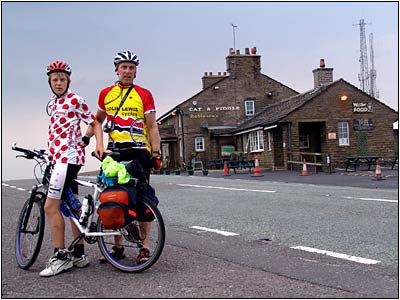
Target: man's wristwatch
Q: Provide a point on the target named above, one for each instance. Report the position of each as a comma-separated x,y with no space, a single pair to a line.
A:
157,152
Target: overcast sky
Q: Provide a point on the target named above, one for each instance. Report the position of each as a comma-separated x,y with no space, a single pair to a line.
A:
176,43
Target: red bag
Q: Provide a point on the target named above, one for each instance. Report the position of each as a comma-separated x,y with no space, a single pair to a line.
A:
117,208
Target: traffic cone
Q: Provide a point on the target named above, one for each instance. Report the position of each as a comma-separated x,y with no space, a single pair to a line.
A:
378,172
304,172
226,171
257,169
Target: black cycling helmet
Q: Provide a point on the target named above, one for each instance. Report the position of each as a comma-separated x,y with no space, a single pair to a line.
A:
126,56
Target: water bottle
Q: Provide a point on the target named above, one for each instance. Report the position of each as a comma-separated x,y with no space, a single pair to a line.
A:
84,211
73,201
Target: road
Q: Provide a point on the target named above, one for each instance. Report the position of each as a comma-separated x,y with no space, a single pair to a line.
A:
240,238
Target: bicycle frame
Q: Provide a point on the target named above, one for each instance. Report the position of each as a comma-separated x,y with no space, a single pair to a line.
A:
85,230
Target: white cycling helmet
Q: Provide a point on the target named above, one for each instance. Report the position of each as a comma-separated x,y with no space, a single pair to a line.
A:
126,56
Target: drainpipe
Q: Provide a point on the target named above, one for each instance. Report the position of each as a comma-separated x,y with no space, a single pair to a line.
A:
290,157
183,137
290,137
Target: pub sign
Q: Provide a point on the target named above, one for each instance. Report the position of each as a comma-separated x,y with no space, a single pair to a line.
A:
362,107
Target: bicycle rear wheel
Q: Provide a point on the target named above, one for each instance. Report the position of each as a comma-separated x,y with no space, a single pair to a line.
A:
29,237
132,240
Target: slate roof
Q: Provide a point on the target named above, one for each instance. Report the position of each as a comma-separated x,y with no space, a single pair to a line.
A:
277,111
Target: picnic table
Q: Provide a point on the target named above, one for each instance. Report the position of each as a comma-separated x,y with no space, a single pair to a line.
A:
361,160
218,163
232,164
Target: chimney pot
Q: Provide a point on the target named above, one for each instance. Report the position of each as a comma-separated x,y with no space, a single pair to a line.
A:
322,63
238,52
246,51
205,73
210,73
254,50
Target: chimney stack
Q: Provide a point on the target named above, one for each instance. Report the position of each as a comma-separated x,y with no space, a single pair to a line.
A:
246,64
322,75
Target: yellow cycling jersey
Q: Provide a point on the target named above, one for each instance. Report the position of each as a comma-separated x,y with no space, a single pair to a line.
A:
128,128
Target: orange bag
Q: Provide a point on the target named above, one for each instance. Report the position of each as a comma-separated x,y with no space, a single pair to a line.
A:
117,208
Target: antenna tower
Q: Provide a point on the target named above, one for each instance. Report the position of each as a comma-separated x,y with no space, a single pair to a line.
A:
363,76
373,91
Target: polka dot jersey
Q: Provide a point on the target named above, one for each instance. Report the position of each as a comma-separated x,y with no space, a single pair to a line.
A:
65,135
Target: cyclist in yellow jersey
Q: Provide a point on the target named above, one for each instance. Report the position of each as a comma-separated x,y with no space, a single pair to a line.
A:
129,116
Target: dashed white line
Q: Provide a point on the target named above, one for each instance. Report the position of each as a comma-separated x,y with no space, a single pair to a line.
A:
371,199
224,188
338,255
225,233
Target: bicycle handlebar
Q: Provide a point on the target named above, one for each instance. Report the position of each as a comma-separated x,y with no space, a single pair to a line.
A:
29,154
114,155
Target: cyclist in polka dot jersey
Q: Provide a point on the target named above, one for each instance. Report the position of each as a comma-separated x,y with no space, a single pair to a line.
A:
65,131
67,154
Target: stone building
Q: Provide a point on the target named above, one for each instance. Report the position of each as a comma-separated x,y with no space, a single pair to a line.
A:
243,110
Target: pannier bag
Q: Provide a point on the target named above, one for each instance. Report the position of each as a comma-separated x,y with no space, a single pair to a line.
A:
144,214
117,206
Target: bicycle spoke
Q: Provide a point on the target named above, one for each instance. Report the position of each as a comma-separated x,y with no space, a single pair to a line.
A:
133,239
29,239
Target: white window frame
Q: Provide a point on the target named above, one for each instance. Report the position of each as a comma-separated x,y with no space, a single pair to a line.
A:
269,140
253,141
247,109
199,144
246,141
343,133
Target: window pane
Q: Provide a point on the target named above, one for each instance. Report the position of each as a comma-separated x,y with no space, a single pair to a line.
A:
249,107
343,133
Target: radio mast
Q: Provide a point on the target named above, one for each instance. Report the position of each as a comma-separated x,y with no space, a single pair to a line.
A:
373,91
363,76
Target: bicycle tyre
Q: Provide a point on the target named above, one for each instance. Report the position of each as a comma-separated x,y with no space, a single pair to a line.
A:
29,242
128,263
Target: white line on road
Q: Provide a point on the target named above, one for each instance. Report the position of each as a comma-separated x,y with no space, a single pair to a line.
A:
338,255
225,233
225,188
371,199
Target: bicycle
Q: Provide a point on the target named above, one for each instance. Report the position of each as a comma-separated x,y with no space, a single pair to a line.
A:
31,222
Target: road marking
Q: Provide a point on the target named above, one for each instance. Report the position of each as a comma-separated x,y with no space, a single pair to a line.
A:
371,199
225,233
225,188
338,255
5,184
21,189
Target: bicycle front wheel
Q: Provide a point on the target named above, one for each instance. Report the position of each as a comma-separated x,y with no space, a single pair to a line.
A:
30,232
132,238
